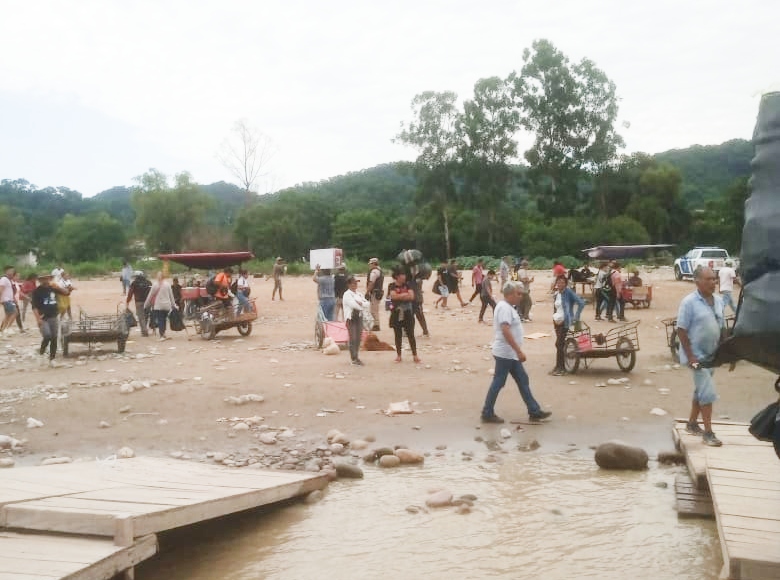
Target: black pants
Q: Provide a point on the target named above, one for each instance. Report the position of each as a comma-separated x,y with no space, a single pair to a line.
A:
477,291
420,315
560,344
486,300
405,325
354,329
600,298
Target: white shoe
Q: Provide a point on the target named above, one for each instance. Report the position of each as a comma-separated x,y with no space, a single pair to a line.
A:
162,339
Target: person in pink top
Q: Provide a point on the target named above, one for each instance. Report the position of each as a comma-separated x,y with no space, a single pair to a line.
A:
477,276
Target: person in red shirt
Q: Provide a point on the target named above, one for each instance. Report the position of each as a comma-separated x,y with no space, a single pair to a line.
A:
25,292
477,276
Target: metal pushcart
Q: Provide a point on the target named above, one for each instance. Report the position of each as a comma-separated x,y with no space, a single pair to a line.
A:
335,329
620,342
95,329
673,339
216,317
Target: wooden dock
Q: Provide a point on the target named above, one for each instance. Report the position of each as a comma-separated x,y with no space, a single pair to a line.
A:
743,478
121,505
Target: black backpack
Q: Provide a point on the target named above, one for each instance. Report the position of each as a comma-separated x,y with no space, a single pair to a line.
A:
142,287
211,286
607,285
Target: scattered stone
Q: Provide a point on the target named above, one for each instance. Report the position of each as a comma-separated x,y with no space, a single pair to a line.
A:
336,448
383,451
8,442
56,460
348,470
33,423
619,455
125,409
505,433
531,445
671,458
177,454
463,509
7,462
441,498
657,411
268,438
104,425
413,509
370,457
409,456
661,484
389,461
125,453
244,399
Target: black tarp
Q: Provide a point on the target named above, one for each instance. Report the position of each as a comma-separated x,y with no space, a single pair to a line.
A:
756,334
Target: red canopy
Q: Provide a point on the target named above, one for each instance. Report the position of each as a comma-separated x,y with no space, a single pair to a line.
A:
208,260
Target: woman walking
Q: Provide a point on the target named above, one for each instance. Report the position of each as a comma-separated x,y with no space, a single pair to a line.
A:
402,315
161,302
563,316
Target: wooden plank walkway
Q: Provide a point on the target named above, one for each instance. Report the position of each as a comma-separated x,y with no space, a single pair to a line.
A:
47,557
135,498
743,478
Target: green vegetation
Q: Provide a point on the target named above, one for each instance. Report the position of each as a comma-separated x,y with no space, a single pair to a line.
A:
470,192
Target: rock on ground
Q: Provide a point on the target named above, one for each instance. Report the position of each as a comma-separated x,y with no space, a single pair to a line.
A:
619,455
347,470
441,498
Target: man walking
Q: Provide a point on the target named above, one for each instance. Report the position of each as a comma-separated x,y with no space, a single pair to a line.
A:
375,290
138,291
8,297
44,307
701,326
477,276
278,273
508,332
726,278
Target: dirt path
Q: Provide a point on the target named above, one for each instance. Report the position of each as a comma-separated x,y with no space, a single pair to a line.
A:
190,379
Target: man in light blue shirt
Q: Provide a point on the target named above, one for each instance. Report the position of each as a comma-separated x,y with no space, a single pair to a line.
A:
701,326
509,356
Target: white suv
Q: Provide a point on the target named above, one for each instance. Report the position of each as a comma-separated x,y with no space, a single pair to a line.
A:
707,257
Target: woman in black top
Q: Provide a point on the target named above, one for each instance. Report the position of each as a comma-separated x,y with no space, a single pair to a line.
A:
402,314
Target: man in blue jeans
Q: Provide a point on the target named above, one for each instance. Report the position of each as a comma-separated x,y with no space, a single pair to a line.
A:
509,356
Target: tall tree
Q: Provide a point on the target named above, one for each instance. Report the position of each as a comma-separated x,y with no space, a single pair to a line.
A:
488,127
571,108
168,216
246,153
89,237
434,133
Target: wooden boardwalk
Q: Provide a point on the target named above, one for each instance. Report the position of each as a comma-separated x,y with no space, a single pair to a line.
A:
743,478
126,502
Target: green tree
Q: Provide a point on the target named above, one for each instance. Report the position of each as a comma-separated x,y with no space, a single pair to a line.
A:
434,133
488,126
571,108
364,233
11,224
88,238
168,216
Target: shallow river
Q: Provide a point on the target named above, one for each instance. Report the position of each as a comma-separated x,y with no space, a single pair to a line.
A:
553,515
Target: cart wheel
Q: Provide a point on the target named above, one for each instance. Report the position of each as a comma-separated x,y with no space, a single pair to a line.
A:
677,273
319,333
65,346
245,328
207,330
674,346
571,356
626,357
120,344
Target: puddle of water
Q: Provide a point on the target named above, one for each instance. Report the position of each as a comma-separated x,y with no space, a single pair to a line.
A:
536,516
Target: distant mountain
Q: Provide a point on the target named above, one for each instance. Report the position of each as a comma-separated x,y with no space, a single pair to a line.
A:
708,170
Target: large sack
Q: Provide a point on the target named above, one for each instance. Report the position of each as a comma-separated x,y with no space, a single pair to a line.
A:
756,335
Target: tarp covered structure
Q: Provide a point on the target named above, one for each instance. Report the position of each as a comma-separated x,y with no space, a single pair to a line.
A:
756,334
209,260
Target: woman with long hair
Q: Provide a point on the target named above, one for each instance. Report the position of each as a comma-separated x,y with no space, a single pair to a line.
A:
161,301
402,315
564,299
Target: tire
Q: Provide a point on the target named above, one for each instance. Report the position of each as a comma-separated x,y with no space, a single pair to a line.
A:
207,330
244,328
674,346
319,333
677,273
571,356
626,359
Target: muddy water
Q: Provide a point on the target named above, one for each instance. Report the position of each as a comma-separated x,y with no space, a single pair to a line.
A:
537,516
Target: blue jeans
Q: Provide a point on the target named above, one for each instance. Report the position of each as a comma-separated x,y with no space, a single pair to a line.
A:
728,300
243,303
504,367
328,306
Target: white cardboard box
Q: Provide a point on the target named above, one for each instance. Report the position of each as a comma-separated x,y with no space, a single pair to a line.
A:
330,258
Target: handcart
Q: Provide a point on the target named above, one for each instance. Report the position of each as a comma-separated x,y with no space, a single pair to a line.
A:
673,339
335,330
622,342
637,296
216,317
95,329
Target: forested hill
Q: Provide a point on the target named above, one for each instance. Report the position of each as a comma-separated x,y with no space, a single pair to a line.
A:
708,170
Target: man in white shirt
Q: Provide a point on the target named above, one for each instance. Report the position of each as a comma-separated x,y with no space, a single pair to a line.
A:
7,293
726,277
509,357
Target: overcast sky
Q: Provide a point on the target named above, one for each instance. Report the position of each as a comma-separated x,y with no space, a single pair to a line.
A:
95,92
